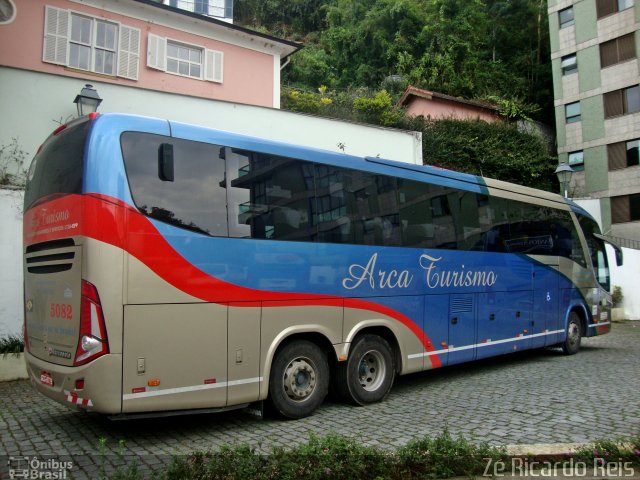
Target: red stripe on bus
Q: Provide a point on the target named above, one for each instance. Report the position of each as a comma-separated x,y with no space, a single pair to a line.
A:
112,221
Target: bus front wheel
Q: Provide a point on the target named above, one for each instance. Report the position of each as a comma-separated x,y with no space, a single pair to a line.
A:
299,379
571,344
368,374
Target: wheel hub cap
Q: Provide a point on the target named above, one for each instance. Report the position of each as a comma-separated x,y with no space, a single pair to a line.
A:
299,379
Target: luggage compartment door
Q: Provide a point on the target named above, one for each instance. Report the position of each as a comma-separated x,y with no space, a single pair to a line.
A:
174,357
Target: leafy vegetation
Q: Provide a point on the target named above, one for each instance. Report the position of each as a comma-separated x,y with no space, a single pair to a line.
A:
11,344
617,297
12,159
338,457
360,55
468,48
497,150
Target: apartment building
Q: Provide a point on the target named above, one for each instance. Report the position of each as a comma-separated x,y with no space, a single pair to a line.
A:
594,51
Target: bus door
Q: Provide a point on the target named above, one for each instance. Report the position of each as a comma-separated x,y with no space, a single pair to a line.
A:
503,322
462,328
546,318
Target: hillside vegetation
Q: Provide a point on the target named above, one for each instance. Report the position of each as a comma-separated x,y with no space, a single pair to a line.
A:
360,55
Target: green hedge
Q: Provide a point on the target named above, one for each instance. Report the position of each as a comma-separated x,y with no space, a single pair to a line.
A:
496,150
341,458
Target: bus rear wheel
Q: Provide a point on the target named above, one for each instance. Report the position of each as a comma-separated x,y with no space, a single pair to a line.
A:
368,374
299,379
571,345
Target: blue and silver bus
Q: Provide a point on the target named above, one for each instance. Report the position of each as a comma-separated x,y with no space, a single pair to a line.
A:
170,267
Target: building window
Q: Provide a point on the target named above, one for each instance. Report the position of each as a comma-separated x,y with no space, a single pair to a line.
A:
184,60
572,112
633,151
569,64
617,50
90,43
201,6
576,160
623,154
609,7
566,17
7,11
189,60
622,102
625,208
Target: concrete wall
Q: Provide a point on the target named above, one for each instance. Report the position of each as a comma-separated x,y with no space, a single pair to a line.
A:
626,277
11,310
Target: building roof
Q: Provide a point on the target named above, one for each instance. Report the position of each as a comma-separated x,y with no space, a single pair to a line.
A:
287,47
428,95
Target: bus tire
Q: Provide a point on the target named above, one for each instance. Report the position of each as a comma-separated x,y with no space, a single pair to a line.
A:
571,345
299,379
368,374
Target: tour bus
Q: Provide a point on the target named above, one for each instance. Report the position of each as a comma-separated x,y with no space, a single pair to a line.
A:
173,268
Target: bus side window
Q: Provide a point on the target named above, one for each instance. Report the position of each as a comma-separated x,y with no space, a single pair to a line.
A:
197,169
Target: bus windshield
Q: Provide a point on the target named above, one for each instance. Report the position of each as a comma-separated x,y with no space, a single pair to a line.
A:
597,251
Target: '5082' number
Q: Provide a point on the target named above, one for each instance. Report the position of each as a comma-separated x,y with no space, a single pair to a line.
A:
61,310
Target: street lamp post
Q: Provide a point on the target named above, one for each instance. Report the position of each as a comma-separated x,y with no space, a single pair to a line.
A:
564,173
87,100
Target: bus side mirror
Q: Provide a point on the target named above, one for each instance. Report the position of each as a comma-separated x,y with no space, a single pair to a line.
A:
616,248
165,162
618,256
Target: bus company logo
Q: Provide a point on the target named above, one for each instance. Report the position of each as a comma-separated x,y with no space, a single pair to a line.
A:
47,218
39,468
436,277
53,352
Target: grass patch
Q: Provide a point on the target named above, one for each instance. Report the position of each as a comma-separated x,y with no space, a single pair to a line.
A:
11,344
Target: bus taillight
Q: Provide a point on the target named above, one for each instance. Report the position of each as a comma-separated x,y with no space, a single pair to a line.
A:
92,342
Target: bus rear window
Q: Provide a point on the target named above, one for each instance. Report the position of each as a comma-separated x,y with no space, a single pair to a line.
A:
58,167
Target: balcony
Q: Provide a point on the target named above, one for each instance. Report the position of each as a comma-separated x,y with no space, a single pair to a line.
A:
218,9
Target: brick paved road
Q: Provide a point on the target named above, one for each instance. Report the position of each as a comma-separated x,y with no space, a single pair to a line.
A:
532,397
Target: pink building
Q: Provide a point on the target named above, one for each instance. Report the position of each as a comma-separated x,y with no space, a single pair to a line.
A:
142,56
438,105
147,45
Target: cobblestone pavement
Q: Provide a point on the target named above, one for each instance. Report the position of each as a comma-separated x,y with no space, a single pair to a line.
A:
531,397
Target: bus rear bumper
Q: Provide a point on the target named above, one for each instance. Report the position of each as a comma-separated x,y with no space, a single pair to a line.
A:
95,387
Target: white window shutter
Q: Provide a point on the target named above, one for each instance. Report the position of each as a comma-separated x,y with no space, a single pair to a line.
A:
157,52
56,33
213,65
129,52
